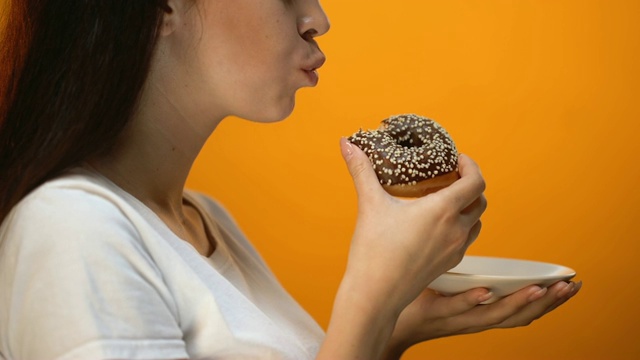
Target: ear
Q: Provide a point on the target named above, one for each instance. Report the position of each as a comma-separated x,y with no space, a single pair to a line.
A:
170,17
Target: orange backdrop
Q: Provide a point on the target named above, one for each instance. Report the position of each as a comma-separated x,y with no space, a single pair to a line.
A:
542,93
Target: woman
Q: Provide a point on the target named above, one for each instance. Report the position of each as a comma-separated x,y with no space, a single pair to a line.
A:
103,254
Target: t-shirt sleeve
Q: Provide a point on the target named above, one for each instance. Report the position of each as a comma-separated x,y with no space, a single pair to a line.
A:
77,283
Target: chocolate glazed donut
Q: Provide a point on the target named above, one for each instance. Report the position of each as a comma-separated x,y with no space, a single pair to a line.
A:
412,155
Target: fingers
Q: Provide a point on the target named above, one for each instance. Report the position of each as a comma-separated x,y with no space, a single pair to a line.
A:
556,295
466,166
564,298
466,190
359,165
462,314
473,234
461,303
494,315
472,213
521,308
477,207
465,194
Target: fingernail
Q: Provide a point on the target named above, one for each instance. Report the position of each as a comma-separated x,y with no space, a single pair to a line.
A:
346,147
566,289
484,297
537,294
577,286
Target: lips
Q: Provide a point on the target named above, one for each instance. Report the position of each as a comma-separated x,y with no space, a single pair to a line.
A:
316,64
311,69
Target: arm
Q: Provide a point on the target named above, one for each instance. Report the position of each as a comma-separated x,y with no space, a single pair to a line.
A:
396,240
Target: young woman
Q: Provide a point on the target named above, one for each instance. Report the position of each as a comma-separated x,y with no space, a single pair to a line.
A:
103,254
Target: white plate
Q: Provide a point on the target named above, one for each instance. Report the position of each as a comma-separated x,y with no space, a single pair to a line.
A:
501,276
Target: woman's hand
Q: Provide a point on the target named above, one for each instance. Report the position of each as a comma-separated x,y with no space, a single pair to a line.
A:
432,315
399,246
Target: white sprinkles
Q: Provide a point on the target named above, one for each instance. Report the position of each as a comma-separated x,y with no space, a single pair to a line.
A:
407,149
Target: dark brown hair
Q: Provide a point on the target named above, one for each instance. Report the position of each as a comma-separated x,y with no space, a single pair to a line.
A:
71,72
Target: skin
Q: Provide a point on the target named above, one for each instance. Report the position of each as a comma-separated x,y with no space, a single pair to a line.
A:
209,65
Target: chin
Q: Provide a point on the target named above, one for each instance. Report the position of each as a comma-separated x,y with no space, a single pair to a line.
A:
274,114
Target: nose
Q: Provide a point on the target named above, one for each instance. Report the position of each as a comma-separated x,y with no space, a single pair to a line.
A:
313,20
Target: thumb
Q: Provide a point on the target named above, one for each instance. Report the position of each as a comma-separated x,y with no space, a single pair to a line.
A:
360,168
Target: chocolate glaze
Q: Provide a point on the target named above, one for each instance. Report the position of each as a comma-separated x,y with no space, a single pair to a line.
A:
407,149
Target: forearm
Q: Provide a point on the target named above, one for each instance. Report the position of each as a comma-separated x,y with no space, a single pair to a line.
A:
394,349
360,327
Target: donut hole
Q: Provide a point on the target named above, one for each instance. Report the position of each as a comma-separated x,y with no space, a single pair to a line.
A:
411,155
410,141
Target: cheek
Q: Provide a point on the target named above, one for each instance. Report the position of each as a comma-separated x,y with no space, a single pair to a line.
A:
250,71
261,67
259,42
248,59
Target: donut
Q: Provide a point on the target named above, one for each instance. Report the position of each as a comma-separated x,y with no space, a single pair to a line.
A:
412,155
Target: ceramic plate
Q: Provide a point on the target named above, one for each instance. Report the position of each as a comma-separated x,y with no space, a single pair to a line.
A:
500,275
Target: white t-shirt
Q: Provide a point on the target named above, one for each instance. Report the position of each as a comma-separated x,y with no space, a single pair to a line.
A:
89,272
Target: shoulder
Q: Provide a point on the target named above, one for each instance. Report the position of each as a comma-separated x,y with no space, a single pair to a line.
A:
73,218
72,257
66,208
67,196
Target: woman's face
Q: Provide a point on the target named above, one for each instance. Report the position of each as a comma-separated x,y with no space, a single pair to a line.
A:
246,57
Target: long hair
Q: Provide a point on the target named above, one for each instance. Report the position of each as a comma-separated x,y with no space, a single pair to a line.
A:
71,74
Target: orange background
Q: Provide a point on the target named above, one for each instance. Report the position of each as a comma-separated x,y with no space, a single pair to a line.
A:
543,94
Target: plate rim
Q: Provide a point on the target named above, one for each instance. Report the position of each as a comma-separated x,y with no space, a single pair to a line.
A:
567,274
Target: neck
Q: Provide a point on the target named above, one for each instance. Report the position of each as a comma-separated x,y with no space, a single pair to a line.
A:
155,153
